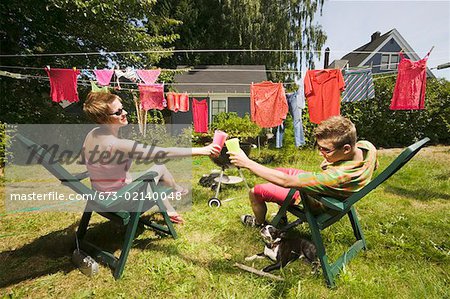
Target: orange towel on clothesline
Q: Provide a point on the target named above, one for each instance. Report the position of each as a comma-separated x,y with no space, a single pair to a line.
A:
268,104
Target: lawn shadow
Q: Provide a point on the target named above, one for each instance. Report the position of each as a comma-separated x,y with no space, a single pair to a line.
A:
52,253
417,194
45,255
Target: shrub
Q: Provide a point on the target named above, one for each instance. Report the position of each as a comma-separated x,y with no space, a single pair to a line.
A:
235,126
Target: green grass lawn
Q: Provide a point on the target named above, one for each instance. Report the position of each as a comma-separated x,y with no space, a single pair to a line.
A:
406,222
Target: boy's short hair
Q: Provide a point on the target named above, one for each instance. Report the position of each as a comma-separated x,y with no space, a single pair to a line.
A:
96,106
338,129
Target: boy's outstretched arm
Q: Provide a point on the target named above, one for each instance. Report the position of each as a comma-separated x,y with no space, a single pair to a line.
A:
272,175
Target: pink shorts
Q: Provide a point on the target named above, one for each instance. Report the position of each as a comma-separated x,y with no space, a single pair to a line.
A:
273,193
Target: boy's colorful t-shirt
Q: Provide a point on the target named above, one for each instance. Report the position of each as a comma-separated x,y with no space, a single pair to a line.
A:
342,179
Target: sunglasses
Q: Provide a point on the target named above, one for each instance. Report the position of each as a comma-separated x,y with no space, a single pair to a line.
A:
325,150
118,112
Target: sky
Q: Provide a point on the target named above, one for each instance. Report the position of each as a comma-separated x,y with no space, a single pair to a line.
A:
423,24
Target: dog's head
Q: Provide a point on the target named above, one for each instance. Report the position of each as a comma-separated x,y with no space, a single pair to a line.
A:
271,235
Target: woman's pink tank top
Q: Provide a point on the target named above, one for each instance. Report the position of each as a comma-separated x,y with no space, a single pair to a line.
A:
108,175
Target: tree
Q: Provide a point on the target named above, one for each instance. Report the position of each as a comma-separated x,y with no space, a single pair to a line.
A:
73,26
247,24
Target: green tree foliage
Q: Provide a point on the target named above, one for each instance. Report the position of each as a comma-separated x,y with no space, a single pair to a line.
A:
73,26
247,24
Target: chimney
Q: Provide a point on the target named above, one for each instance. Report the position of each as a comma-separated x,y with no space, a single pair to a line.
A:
327,58
375,36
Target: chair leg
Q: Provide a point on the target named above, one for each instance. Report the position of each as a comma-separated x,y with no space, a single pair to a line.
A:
282,211
357,230
128,241
166,217
321,254
82,228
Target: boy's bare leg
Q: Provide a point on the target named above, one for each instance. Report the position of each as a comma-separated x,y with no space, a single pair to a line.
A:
259,207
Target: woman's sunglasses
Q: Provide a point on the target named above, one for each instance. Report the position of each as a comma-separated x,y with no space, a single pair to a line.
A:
118,112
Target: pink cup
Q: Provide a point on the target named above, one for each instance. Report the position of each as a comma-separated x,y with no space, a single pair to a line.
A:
219,138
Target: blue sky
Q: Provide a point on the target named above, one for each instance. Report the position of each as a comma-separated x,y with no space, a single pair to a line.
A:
423,24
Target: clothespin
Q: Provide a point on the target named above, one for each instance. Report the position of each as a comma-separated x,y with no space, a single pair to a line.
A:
74,69
48,67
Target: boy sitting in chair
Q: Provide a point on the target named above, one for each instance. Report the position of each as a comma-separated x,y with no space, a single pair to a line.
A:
348,166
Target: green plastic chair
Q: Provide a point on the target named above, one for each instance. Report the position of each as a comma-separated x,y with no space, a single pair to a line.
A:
103,207
335,210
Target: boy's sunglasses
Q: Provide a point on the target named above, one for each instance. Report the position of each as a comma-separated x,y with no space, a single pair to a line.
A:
325,150
118,112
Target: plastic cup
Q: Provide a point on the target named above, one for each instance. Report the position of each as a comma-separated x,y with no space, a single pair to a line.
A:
219,138
233,145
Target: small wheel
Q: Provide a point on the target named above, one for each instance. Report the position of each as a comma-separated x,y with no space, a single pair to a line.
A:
214,202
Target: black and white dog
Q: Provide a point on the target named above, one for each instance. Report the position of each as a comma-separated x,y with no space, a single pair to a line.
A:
283,250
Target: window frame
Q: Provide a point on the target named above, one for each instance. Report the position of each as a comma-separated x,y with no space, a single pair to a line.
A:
389,64
217,99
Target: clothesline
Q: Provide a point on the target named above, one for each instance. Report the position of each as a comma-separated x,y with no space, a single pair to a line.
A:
173,70
169,83
211,70
24,76
189,51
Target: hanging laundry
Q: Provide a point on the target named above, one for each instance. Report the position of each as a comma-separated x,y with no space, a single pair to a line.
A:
409,91
200,115
151,96
172,101
148,76
103,76
322,90
63,84
268,104
184,102
358,85
178,101
296,102
95,88
129,73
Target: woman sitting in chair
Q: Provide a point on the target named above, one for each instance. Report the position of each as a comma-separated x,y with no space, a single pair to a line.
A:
103,144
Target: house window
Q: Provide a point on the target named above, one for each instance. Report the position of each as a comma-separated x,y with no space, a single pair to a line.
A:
218,106
394,61
389,62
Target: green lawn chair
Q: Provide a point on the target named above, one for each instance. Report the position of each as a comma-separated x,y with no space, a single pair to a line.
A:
335,210
128,219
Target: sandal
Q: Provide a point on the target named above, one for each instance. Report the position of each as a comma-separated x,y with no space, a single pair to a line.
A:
176,218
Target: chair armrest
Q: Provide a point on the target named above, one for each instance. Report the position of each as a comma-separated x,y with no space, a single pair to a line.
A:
82,175
76,178
332,203
148,176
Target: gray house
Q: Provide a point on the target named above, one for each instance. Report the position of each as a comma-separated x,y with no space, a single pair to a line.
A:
381,53
225,87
